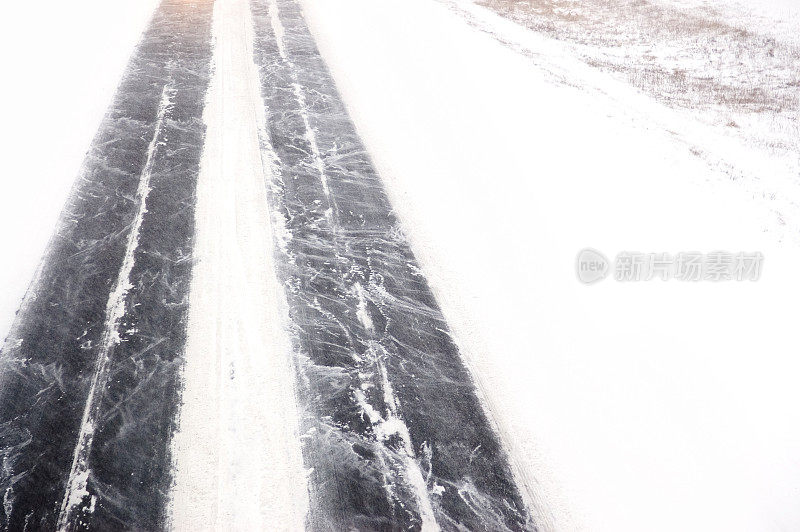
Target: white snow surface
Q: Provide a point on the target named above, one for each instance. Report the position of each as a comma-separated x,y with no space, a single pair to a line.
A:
238,463
624,406
779,16
62,63
640,406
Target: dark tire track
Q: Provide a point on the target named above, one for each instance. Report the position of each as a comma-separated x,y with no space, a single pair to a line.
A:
385,391
49,359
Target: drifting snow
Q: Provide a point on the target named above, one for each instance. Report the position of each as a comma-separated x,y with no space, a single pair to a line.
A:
626,406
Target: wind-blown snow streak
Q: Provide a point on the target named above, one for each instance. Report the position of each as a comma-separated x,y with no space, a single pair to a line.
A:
310,136
115,310
393,424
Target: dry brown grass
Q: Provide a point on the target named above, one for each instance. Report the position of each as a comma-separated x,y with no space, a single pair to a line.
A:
691,60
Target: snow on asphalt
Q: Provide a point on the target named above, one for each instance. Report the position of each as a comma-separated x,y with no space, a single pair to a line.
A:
59,84
627,406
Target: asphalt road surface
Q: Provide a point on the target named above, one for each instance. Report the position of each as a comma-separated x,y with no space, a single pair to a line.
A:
91,375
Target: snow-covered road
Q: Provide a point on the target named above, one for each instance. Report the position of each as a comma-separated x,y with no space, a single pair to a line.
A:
318,271
131,400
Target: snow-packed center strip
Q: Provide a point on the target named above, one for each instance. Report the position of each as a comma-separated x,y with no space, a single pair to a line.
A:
237,448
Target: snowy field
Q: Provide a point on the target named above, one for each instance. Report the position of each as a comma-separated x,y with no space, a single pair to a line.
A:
508,143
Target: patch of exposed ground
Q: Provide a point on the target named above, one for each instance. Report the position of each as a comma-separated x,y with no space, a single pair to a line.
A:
692,59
